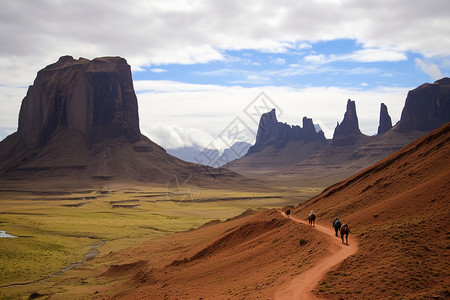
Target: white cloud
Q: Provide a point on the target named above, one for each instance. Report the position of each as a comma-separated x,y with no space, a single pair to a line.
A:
159,86
317,58
304,46
174,136
429,68
176,114
10,101
257,78
374,55
279,61
211,109
158,70
151,33
363,55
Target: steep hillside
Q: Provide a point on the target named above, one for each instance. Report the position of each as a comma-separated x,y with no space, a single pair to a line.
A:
398,214
249,257
398,209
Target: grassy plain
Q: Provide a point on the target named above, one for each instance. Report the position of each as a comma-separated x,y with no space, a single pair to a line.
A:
56,229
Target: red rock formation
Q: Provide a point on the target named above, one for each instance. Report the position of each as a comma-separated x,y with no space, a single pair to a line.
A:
79,122
385,120
272,132
349,125
95,98
427,107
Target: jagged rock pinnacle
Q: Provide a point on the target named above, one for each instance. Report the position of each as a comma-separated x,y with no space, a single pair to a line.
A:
349,125
272,132
385,120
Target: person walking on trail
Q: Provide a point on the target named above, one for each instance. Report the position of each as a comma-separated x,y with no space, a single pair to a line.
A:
336,225
311,218
288,212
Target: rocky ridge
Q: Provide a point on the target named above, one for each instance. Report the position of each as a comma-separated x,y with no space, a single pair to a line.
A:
271,132
426,108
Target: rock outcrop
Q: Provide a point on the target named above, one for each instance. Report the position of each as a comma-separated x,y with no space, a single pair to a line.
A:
271,132
95,98
385,120
79,123
427,107
349,151
349,125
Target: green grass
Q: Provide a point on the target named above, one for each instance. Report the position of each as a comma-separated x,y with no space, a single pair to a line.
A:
53,233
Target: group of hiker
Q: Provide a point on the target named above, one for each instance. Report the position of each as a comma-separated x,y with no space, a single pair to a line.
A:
343,229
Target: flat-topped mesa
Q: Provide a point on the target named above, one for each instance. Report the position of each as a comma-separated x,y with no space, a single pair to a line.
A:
95,97
385,120
349,126
271,132
427,107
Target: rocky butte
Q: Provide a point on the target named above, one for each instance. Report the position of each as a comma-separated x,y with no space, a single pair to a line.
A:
95,98
272,132
427,107
79,120
385,120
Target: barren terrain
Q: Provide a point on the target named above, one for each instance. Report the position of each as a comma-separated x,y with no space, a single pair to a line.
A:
397,210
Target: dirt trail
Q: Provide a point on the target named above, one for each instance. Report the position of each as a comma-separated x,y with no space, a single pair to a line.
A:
301,286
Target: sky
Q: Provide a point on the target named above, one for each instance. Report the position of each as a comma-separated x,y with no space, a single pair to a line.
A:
204,71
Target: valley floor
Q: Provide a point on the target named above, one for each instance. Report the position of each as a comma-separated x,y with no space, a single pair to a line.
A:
58,227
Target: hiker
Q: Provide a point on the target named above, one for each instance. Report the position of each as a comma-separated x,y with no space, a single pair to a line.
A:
336,225
288,212
311,218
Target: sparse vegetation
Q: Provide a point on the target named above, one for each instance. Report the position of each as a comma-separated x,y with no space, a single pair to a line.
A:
54,232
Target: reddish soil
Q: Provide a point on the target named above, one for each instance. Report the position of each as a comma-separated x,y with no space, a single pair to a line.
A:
249,257
398,212
301,287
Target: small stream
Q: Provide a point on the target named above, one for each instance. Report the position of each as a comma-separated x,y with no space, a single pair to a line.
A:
93,252
3,234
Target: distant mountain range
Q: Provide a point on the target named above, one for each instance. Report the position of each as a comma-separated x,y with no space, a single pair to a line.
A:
79,120
210,157
301,153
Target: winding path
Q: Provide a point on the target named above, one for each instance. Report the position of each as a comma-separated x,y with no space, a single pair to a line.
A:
93,252
301,287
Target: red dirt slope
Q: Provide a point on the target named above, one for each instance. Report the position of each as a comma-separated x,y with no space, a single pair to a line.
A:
248,258
399,210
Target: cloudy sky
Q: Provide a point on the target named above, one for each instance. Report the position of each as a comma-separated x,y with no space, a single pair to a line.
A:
205,69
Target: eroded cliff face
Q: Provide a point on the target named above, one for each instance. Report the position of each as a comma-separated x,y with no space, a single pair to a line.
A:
427,107
385,123
349,125
94,97
271,132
